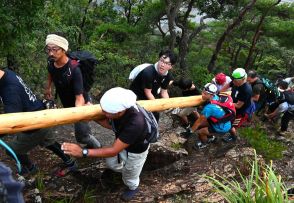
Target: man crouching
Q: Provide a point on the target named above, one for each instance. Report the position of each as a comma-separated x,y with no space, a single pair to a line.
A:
216,116
128,153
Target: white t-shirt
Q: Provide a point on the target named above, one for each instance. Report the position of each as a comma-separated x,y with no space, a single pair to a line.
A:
219,87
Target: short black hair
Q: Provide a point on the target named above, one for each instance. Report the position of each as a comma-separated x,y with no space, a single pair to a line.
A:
283,85
168,53
183,83
252,74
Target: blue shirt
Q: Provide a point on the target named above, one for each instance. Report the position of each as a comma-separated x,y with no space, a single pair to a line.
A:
213,110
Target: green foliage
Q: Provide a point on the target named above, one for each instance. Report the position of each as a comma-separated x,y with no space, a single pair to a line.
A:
271,65
200,75
40,182
262,185
259,140
177,145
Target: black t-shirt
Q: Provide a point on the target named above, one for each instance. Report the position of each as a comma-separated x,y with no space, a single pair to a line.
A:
16,95
258,89
132,129
149,79
242,93
68,83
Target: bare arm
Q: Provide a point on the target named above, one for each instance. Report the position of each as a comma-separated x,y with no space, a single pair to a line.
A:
255,97
80,101
48,88
164,93
149,94
197,123
76,150
239,104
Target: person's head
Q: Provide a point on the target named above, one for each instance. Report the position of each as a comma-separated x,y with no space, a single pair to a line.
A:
184,84
166,61
56,46
220,78
252,76
116,101
282,86
209,91
239,76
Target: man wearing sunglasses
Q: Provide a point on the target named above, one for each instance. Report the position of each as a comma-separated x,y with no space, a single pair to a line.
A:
68,84
153,81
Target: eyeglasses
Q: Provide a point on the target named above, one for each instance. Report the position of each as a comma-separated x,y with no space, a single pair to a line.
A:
164,62
52,49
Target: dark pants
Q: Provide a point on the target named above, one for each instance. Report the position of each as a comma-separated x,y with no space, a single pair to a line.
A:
286,119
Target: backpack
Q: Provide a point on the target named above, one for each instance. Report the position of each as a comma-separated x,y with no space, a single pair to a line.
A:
227,104
87,63
271,90
287,96
135,72
152,125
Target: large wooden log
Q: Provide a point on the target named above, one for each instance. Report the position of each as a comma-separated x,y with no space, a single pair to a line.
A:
17,122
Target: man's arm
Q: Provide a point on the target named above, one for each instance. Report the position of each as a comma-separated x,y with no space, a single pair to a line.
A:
76,150
149,94
164,93
198,122
48,88
80,101
239,104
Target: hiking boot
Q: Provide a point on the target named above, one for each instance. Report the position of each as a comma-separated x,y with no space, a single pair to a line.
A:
211,139
200,145
129,194
28,171
230,138
67,168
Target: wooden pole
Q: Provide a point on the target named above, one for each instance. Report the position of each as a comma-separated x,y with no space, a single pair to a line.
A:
17,122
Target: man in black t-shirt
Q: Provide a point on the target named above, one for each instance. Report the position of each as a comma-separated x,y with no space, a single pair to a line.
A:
259,96
241,95
68,83
17,97
128,153
153,81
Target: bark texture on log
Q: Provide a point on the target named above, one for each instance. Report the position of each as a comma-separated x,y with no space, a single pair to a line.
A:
17,122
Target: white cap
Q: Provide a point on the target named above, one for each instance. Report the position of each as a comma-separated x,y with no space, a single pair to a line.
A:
210,88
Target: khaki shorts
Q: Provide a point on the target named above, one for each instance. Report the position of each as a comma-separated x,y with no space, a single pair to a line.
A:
24,142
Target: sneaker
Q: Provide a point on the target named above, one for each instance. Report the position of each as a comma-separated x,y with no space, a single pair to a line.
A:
200,145
26,171
129,194
211,139
67,168
230,138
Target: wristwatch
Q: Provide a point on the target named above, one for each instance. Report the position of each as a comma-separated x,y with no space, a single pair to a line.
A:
85,152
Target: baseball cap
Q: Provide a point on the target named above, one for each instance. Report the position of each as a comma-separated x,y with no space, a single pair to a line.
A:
210,88
239,73
220,78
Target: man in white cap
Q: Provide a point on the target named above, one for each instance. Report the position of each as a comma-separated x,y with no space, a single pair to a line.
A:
214,117
128,153
68,83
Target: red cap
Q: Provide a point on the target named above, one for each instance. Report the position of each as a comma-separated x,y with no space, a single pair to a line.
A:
220,78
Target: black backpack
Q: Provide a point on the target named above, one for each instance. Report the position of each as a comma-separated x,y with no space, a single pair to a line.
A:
152,125
87,63
287,96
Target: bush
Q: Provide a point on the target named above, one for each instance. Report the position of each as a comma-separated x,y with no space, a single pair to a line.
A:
263,185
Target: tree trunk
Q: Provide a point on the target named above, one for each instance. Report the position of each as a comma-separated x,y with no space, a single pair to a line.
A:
229,29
